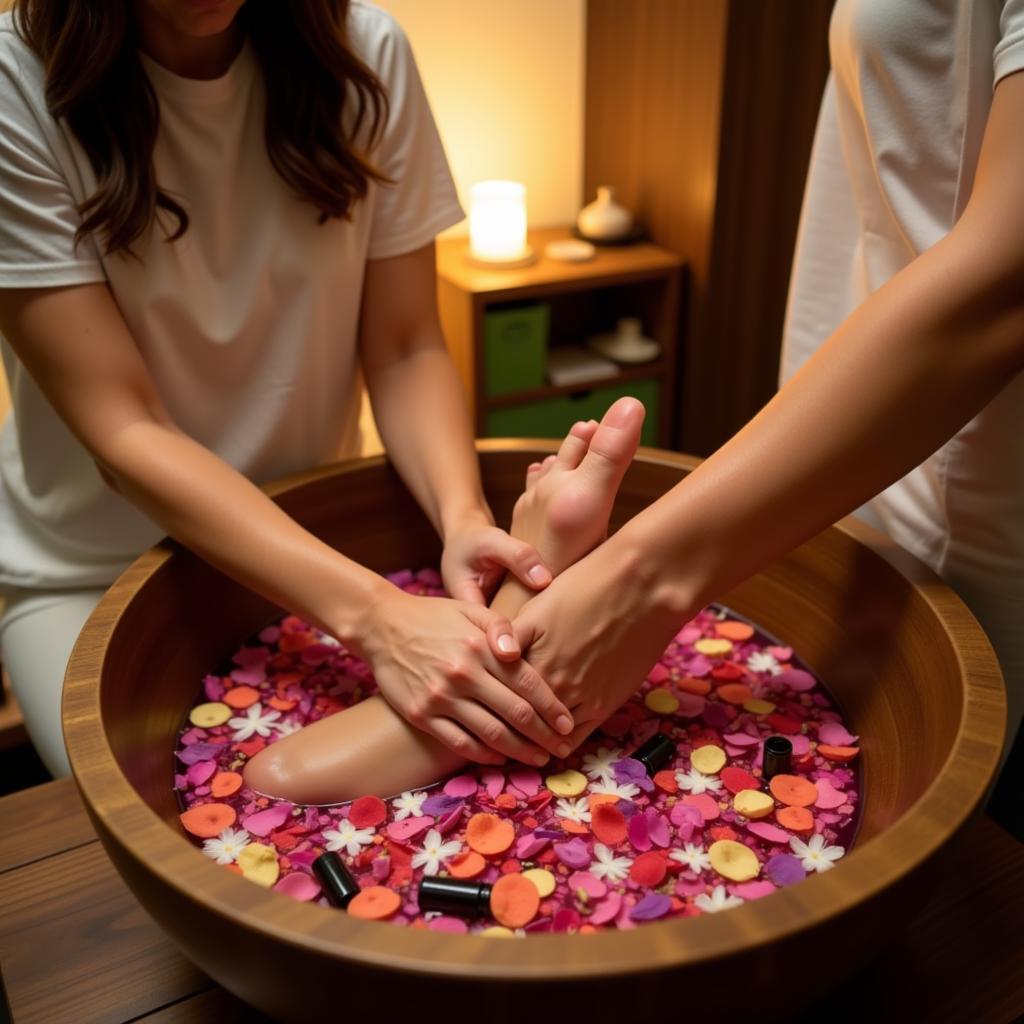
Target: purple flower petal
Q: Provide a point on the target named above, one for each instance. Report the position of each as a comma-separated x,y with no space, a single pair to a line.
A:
573,854
785,869
198,752
629,769
651,907
441,803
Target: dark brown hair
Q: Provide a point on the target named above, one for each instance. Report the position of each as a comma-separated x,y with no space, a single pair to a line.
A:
90,54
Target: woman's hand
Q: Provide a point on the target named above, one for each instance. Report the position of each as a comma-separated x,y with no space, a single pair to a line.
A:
597,631
430,658
477,555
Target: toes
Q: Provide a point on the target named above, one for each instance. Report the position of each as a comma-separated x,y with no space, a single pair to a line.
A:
575,445
531,474
614,442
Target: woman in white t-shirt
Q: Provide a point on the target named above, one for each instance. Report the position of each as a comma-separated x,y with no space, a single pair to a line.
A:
216,220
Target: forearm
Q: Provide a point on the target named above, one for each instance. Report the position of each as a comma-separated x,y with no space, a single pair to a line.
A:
423,421
216,512
908,369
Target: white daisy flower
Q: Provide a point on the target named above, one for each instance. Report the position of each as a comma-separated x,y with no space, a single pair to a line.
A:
718,900
255,722
347,837
692,856
696,782
762,661
623,790
573,810
608,866
408,805
599,766
814,854
227,846
329,641
286,727
433,851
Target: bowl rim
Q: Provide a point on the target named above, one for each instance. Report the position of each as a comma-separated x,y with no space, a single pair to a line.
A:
126,821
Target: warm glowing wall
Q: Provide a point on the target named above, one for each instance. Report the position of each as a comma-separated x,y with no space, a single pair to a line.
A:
505,81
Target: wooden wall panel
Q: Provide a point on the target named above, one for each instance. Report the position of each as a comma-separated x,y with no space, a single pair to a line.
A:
704,125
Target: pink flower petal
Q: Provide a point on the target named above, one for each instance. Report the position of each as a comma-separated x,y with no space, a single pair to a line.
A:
607,909
833,734
493,780
794,678
752,890
199,772
298,886
639,835
657,827
690,704
770,833
526,780
264,822
828,797
590,884
461,786
408,828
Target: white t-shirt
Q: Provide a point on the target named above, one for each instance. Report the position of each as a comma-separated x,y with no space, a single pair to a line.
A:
247,323
894,158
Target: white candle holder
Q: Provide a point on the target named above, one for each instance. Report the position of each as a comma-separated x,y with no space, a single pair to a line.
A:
497,225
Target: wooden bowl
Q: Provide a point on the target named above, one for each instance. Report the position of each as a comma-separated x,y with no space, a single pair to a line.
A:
911,667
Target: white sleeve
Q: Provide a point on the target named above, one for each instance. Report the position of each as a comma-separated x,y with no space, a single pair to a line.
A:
38,214
421,200
1008,56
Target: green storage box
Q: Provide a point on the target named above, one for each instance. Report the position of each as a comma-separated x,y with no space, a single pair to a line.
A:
554,416
515,348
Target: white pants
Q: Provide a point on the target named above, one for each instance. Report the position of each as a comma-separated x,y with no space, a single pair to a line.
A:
37,632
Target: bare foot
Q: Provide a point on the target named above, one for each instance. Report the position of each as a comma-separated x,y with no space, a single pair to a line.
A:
371,748
568,500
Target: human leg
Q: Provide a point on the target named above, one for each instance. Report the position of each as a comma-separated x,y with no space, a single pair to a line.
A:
37,632
370,748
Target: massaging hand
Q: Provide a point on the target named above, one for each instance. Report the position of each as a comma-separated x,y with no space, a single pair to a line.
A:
476,557
431,659
594,634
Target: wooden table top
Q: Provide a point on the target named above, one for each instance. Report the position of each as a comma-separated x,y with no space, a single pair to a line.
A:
76,946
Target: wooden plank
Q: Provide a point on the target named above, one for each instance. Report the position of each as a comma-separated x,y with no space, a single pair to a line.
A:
212,1005
42,821
611,263
76,946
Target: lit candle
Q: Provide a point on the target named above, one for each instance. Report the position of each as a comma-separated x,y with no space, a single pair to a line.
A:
497,222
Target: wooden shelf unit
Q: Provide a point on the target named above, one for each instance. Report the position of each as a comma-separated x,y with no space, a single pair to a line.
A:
641,280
